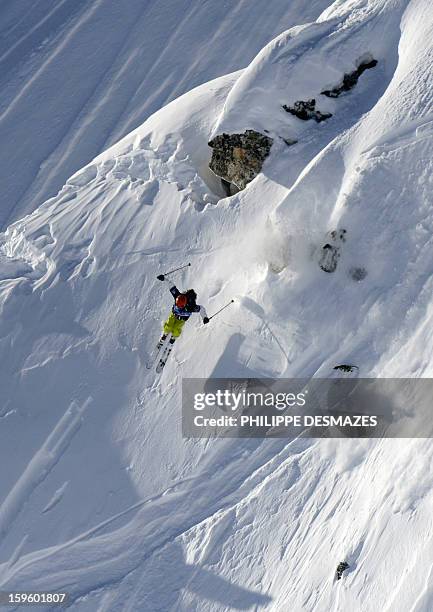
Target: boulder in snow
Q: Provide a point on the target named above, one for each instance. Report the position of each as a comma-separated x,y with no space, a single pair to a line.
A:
238,158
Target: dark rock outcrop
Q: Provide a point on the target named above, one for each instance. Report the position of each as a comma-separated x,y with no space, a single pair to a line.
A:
305,110
350,79
238,158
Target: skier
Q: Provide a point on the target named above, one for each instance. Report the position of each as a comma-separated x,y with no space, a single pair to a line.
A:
184,306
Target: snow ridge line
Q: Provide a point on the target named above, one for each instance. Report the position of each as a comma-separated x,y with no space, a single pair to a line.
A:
41,464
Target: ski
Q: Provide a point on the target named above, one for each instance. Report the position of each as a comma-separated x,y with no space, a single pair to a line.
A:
165,355
162,342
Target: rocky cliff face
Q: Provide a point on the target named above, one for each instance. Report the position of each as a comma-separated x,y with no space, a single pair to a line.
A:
238,158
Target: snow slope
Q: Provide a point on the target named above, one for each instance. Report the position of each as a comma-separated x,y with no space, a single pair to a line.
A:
102,497
76,76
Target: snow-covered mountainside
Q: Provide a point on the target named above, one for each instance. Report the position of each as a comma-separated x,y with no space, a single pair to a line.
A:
76,76
101,495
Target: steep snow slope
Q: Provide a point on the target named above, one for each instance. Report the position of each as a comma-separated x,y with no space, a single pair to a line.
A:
103,498
76,76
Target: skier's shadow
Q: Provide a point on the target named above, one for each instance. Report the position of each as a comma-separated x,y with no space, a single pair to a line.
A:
168,574
229,365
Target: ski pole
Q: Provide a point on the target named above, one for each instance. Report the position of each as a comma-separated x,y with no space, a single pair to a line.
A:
218,311
162,276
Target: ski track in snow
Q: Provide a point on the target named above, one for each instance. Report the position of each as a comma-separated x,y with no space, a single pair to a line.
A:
56,498
40,465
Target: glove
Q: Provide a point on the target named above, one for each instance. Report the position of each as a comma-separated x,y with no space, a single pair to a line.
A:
205,320
161,277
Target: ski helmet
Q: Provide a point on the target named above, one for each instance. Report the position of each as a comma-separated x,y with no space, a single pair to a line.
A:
181,300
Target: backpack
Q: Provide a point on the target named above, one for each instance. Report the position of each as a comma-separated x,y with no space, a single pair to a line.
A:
191,296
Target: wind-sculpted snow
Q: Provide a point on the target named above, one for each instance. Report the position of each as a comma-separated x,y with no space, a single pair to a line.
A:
76,76
109,502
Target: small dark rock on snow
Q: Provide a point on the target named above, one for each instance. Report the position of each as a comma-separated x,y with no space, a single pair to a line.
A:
305,110
341,567
345,367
